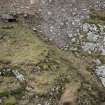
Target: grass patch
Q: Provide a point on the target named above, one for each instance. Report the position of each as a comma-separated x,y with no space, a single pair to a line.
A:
99,14
20,45
9,101
93,21
96,17
10,86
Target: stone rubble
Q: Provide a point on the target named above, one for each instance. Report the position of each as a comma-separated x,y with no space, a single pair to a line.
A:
19,76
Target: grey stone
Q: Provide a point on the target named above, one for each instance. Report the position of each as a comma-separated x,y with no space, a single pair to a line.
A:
8,18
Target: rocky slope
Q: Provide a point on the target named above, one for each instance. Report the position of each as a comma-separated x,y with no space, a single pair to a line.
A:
35,72
60,20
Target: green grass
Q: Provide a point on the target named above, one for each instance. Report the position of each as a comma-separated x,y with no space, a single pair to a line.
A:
9,101
20,45
93,21
9,86
99,14
24,51
96,17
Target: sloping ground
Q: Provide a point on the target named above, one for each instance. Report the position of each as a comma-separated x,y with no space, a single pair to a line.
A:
33,72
